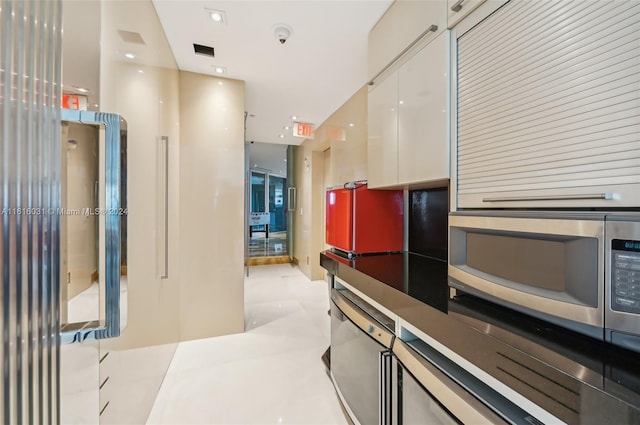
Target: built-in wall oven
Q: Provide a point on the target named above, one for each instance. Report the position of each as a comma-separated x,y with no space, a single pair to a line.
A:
580,270
361,341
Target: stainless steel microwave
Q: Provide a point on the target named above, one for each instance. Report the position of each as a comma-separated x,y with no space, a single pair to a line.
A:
579,270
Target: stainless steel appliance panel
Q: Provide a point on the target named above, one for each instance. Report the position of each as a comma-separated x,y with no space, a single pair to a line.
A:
622,280
360,361
417,407
433,389
547,265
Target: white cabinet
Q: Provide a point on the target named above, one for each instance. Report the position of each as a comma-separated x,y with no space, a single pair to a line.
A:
423,148
382,146
408,120
402,24
458,9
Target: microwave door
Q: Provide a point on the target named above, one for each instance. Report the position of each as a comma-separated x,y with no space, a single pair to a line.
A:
546,266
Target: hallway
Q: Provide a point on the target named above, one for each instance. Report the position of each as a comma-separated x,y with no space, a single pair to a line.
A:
271,374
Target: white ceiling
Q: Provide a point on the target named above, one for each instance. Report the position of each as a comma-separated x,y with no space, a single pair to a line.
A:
315,72
320,67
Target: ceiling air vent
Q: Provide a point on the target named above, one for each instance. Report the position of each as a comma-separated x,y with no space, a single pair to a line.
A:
131,37
200,49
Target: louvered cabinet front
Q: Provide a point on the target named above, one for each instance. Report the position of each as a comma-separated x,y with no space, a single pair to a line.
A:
548,106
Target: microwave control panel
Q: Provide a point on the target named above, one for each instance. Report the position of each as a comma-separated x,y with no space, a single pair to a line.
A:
625,275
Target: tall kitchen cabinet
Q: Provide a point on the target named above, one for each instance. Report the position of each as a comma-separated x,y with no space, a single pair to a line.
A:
547,106
408,138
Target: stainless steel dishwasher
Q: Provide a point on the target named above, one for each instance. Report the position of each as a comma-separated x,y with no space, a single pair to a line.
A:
361,341
431,389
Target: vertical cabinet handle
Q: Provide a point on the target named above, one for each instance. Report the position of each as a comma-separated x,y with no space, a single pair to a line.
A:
115,145
163,210
457,6
291,199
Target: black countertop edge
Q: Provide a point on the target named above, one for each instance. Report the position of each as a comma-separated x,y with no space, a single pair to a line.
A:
573,377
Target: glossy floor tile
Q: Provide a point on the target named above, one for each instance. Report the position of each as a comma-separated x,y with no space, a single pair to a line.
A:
271,374
274,245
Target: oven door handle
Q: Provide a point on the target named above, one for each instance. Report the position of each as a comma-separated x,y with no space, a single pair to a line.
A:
454,398
361,319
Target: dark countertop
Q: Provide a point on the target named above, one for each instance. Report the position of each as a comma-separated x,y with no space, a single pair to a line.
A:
576,378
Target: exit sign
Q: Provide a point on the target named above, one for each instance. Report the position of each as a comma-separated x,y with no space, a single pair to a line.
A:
301,129
73,101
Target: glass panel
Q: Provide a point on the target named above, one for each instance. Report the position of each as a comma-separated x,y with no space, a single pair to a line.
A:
258,195
277,203
30,46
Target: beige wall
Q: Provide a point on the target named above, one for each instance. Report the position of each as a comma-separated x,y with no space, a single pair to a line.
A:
81,176
349,156
211,206
204,122
348,162
149,101
301,222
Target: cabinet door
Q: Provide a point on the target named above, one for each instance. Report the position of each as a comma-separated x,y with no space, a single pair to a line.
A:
382,144
400,26
423,148
549,118
458,9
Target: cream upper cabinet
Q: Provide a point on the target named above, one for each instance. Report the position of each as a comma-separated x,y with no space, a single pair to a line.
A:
423,148
458,9
405,22
382,144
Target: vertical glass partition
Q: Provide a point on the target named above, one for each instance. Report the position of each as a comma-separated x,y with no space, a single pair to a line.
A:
30,81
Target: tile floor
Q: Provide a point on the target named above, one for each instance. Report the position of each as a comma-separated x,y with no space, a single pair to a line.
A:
271,374
275,245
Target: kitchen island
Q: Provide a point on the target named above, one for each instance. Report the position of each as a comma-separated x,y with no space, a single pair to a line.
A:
536,365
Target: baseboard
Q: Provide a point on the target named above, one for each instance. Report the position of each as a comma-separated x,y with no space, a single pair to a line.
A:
262,261
295,261
94,276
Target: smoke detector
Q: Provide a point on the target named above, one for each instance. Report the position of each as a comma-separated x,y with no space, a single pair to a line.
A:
282,32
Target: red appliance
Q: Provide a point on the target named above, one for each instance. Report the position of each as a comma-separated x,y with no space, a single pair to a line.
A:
363,221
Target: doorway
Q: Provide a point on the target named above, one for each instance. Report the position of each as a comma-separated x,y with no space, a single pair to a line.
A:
268,230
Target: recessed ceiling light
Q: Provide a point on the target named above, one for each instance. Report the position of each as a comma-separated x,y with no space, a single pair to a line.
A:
401,102
286,127
82,90
293,117
140,71
220,83
129,56
351,124
218,16
282,136
219,69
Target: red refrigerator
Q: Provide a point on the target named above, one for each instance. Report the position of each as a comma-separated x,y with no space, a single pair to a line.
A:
364,221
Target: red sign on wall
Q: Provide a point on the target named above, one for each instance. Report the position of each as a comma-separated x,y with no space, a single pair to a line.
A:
301,129
74,101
